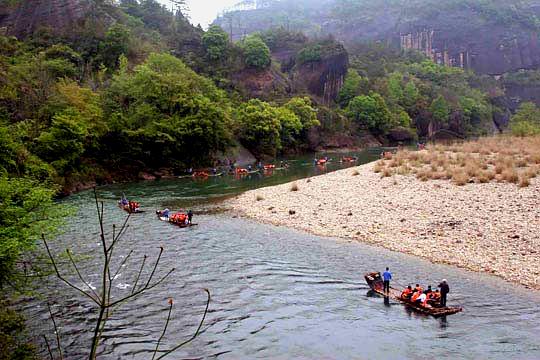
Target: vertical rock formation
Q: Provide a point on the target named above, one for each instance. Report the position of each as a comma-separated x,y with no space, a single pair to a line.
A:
323,78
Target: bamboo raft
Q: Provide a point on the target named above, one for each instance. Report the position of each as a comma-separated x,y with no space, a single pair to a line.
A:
375,283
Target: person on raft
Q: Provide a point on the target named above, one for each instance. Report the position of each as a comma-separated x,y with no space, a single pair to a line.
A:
190,217
407,293
387,276
165,213
445,289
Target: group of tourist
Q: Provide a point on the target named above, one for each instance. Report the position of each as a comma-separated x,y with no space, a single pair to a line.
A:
131,206
177,218
418,295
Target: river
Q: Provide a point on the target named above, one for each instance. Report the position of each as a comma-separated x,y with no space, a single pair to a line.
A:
276,293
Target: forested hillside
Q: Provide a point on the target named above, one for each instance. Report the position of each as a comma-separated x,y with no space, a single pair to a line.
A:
494,37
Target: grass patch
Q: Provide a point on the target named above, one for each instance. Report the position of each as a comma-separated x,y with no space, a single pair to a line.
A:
502,158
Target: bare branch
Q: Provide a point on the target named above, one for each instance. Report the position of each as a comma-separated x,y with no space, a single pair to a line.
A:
139,274
58,343
140,291
61,277
164,329
122,264
196,332
79,274
123,229
48,347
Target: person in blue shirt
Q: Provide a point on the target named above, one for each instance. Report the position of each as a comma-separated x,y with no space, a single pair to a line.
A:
387,276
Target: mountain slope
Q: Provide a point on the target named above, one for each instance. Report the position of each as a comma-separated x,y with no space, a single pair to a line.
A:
490,37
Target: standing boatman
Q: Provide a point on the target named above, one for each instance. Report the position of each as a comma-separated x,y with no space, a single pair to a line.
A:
445,289
190,217
387,276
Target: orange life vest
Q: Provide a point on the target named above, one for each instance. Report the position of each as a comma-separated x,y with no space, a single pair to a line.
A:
406,293
415,296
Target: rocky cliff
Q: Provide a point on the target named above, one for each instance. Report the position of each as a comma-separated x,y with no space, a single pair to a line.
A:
491,37
320,76
25,17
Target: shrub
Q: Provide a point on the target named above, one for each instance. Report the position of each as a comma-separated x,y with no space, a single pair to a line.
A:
510,175
524,182
294,187
460,178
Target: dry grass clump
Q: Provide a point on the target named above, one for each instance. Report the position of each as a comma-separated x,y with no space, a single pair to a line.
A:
524,182
259,198
510,175
355,173
294,187
386,172
460,178
498,158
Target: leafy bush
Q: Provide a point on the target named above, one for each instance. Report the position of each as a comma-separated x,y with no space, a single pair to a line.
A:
371,112
256,52
526,121
164,113
216,43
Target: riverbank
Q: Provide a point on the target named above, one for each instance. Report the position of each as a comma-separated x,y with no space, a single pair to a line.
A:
488,227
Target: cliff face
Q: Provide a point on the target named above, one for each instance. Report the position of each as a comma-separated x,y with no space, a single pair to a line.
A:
489,49
323,78
29,16
490,37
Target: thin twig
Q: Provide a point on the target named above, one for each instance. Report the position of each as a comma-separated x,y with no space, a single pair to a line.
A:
122,264
164,329
145,288
61,277
58,343
139,274
196,332
48,347
79,273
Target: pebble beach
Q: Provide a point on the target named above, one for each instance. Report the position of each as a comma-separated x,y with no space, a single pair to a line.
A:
492,227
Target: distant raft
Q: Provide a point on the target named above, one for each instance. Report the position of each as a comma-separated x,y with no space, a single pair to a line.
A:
131,207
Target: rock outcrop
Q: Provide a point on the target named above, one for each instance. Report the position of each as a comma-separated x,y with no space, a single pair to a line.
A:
29,16
323,78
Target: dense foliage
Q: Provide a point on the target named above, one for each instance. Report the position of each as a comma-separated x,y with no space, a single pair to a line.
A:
526,121
418,92
256,52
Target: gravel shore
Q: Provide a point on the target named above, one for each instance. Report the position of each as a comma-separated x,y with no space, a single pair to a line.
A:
493,227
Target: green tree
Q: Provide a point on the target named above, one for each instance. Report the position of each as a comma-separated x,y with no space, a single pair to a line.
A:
26,211
371,112
410,95
115,44
164,114
259,127
256,52
440,110
526,121
301,106
351,88
291,126
216,43
395,87
64,142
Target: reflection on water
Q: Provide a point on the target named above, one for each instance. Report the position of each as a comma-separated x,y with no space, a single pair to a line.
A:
277,293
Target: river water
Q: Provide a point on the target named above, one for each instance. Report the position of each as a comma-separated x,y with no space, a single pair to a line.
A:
276,293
